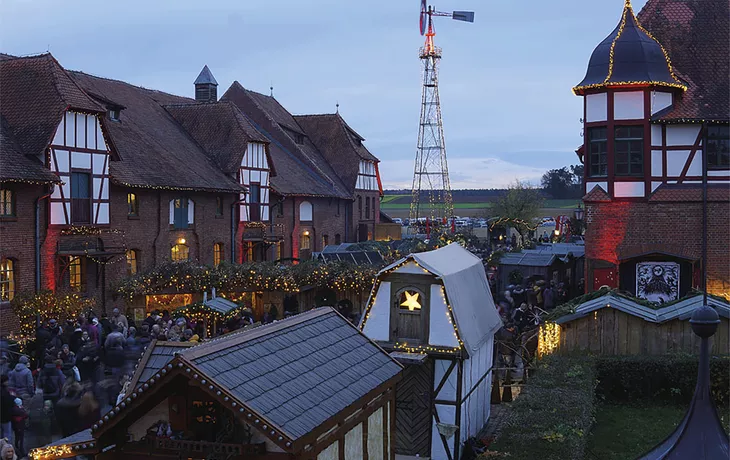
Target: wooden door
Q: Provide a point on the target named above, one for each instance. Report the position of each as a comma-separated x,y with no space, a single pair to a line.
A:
413,410
409,313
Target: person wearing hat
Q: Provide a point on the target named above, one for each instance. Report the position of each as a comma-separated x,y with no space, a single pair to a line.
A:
19,415
20,379
94,333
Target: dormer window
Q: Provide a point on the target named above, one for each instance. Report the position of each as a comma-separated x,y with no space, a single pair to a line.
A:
299,138
114,114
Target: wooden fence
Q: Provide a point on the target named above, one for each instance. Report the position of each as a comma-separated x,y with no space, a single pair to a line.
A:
609,331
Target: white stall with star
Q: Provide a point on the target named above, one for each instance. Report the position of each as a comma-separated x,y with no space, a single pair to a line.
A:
434,312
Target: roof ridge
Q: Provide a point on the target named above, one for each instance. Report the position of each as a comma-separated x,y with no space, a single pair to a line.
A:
55,67
218,344
151,90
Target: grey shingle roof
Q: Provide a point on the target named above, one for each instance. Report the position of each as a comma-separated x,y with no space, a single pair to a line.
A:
155,357
298,372
528,259
76,438
205,76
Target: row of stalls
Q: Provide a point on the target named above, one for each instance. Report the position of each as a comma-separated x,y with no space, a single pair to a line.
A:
549,262
413,378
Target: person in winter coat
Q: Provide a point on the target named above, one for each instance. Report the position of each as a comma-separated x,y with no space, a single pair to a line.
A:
88,362
67,410
20,379
74,343
7,451
6,406
120,320
51,381
94,332
42,337
19,415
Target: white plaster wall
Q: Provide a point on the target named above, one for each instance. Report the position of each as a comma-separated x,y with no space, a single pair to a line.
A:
441,330
57,215
377,325
682,134
332,452
656,163
448,391
628,189
695,168
654,185
475,408
353,443
676,160
628,106
656,135
375,435
447,414
660,100
596,107
591,185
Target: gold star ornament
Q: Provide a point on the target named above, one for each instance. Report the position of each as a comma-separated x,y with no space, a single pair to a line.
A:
411,301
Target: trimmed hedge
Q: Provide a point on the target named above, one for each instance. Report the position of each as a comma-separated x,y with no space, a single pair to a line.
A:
668,378
553,415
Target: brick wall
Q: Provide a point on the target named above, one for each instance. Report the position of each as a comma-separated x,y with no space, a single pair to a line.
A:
620,230
368,222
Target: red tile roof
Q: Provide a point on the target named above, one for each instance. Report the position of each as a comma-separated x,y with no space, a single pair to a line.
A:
15,166
696,35
341,145
690,193
597,194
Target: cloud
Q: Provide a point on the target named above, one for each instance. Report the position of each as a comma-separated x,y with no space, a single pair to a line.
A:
471,173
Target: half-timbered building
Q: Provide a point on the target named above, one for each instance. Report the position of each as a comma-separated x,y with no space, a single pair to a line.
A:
309,386
434,310
656,112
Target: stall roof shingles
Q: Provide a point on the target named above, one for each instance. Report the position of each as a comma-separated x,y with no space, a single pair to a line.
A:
156,356
696,35
156,151
341,145
220,129
297,372
35,92
527,259
301,168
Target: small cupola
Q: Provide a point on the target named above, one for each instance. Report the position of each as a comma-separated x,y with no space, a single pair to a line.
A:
629,56
206,88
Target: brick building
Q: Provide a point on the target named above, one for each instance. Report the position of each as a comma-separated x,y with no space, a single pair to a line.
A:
656,106
101,179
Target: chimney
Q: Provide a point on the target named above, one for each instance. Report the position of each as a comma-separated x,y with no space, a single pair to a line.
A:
206,88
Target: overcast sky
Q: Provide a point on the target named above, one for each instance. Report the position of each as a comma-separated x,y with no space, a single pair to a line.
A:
505,80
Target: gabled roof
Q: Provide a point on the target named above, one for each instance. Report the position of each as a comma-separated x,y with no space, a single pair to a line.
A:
288,377
220,128
629,56
15,166
156,356
528,259
680,310
467,291
559,249
301,168
696,35
596,194
156,151
35,92
340,144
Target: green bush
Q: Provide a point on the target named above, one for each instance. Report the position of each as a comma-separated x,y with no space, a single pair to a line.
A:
553,415
669,378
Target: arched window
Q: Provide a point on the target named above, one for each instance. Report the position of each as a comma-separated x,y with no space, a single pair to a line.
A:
305,211
132,205
367,207
359,206
7,280
180,252
131,262
217,253
325,240
410,300
305,242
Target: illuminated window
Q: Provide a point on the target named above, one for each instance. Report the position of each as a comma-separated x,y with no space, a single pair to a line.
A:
325,240
76,274
7,203
219,206
131,262
179,252
410,300
628,151
597,152
132,205
305,242
278,251
248,250
7,280
217,253
718,147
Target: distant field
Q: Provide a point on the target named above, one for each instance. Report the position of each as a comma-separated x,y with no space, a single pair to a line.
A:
468,206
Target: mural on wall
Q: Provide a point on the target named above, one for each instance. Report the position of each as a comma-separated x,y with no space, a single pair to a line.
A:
657,281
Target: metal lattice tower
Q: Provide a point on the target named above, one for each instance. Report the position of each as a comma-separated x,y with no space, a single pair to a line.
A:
431,191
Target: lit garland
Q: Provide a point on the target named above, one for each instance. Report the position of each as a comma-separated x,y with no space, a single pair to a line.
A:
548,338
516,222
88,230
50,452
606,84
48,305
201,313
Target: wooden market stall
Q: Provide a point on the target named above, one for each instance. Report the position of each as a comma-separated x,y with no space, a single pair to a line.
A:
435,312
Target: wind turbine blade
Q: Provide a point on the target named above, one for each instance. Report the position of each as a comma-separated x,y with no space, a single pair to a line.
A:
466,16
